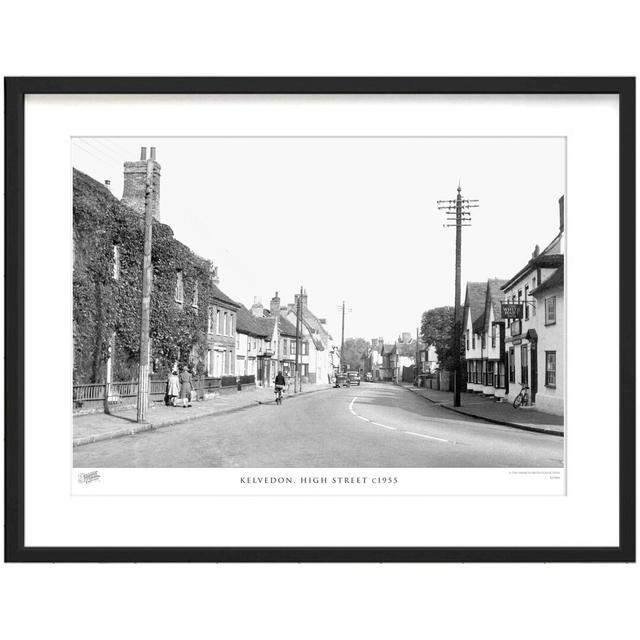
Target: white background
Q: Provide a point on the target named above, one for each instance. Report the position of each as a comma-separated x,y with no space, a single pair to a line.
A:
320,601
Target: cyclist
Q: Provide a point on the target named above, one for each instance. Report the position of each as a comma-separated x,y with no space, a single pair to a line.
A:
280,384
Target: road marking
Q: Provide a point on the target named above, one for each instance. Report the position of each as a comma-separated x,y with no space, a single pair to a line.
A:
422,435
385,426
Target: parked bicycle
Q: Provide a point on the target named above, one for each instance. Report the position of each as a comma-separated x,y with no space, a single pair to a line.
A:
522,399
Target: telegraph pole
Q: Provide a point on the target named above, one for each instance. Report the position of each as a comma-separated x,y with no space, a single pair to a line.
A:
342,340
297,381
147,276
344,310
457,212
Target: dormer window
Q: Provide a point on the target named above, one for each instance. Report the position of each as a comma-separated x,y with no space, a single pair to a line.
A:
179,292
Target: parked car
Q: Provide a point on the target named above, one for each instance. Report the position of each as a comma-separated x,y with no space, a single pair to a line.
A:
368,377
354,377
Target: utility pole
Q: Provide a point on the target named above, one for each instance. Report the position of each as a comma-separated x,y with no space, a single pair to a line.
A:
457,212
147,276
417,358
344,310
297,381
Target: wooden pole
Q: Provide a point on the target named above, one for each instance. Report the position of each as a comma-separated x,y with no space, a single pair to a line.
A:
342,367
147,276
456,309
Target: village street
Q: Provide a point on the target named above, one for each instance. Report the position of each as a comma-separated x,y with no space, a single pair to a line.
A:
372,425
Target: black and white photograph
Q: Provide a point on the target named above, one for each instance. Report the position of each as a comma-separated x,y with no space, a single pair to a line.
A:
319,303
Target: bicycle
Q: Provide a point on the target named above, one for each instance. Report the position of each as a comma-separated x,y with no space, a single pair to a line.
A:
279,394
522,399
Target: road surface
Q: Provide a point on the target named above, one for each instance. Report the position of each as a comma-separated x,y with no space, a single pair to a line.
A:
373,425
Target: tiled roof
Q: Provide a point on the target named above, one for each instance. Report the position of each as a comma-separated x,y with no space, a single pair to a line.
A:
544,260
223,297
556,279
286,328
246,322
474,301
494,297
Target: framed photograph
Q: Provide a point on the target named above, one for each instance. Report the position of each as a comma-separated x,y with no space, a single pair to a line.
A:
320,319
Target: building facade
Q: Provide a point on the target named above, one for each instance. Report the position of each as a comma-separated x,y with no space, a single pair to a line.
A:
316,361
484,338
535,342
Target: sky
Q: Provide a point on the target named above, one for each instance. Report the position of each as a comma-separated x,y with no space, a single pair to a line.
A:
353,219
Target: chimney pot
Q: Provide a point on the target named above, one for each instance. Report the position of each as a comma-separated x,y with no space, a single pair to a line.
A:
153,153
143,153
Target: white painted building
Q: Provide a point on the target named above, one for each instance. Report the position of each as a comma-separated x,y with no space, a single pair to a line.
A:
535,343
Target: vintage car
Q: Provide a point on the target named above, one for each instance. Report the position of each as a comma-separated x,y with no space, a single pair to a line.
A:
368,377
354,377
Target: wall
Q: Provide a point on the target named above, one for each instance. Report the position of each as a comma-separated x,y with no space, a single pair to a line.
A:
551,338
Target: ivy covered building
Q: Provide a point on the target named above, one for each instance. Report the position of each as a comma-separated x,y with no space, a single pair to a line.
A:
192,320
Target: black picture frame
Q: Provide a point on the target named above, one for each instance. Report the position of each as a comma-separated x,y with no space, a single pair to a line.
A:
15,91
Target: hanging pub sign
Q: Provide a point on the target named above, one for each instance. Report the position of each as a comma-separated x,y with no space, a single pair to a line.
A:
511,311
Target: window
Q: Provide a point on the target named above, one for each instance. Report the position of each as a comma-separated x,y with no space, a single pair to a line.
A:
550,310
116,262
524,365
179,293
292,347
467,339
483,340
526,306
210,320
226,324
512,365
489,381
230,324
305,348
493,336
194,302
237,341
218,321
473,340
550,369
500,381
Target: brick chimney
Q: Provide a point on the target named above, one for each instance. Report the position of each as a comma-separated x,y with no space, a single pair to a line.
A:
275,305
107,183
561,211
135,183
256,308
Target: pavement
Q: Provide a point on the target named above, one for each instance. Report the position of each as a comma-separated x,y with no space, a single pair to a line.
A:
486,408
367,426
95,427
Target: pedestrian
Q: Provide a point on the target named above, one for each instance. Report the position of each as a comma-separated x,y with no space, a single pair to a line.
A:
173,387
185,387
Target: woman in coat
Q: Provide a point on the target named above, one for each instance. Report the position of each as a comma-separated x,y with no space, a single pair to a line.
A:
173,387
186,386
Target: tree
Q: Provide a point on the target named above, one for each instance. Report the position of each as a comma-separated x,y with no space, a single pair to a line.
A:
355,349
436,328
